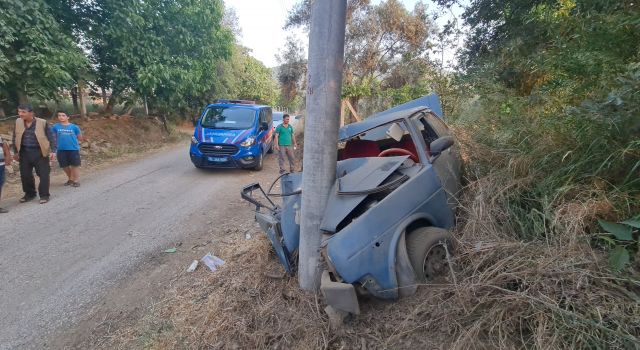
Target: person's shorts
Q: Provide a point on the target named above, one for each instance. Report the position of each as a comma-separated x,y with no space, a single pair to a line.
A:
1,175
68,158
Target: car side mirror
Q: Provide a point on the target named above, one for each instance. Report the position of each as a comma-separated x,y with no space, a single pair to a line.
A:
264,126
441,144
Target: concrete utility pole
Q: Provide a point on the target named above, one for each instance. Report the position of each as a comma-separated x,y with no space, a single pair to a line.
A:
324,85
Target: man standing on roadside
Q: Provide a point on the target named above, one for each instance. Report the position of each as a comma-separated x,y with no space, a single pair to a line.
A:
34,145
68,135
283,144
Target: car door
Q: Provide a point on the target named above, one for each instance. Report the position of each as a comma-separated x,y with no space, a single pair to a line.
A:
447,163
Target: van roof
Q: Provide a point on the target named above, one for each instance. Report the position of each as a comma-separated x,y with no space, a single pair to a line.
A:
244,103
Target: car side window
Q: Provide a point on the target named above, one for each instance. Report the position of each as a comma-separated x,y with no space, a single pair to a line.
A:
438,125
269,115
429,133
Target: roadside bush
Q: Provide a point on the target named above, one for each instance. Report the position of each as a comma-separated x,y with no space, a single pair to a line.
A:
532,268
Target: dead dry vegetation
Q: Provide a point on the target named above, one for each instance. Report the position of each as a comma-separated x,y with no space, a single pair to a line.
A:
547,293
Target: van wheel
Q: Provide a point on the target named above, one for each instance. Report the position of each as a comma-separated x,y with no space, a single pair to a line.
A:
427,248
260,163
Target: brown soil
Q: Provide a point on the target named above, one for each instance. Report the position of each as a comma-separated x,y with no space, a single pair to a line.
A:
109,141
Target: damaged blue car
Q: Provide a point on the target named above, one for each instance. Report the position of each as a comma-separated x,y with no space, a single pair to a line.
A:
387,223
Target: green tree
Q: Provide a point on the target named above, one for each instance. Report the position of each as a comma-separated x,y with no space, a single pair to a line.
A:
544,44
381,41
291,70
37,56
166,50
255,81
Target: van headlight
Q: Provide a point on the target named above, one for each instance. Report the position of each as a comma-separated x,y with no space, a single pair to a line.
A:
248,142
194,140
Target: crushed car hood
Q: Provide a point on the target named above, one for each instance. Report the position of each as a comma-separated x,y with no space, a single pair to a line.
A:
354,178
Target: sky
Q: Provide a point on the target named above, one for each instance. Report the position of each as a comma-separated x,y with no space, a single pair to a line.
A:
262,23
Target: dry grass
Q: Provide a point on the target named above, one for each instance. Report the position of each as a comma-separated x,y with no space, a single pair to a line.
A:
508,294
554,291
551,293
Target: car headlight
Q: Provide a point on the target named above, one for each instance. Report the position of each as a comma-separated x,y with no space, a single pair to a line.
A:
248,142
194,140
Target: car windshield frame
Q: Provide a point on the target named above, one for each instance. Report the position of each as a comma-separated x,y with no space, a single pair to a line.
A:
402,122
228,117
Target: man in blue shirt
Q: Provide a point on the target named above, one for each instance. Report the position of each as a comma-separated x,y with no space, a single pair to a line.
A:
5,156
68,135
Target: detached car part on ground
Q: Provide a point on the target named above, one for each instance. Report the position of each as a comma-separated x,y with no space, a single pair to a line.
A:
386,223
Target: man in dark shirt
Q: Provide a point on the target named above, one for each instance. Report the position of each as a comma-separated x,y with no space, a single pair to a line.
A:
34,144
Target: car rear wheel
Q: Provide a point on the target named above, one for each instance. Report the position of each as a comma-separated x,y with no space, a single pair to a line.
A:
427,248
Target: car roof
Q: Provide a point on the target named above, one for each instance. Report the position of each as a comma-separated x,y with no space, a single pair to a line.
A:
250,106
429,103
351,130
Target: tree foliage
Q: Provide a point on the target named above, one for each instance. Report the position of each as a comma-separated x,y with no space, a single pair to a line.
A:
384,44
36,57
555,85
291,70
177,54
163,49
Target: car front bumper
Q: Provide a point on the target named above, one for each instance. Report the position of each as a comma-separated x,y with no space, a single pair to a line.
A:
246,157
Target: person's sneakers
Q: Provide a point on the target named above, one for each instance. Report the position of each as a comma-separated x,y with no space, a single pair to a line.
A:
3,211
75,184
69,182
282,171
44,200
26,199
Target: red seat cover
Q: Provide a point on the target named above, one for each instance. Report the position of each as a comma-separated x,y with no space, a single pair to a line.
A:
360,149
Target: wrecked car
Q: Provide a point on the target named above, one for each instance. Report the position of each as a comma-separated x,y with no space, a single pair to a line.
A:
387,220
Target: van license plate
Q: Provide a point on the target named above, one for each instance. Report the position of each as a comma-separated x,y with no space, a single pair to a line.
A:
217,159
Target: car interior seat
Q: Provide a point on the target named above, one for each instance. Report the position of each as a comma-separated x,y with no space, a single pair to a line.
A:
359,149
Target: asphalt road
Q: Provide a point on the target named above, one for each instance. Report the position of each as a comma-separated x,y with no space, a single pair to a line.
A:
57,259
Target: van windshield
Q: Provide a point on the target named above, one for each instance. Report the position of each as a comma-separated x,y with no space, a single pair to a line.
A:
228,118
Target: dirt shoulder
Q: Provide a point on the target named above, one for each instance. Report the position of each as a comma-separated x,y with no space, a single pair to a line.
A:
110,142
225,228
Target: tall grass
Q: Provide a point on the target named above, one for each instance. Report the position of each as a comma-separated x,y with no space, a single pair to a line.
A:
531,270
565,153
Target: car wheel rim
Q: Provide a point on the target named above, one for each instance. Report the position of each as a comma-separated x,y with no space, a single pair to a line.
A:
435,262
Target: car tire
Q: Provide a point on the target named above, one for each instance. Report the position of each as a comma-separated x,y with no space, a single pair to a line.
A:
260,164
427,248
